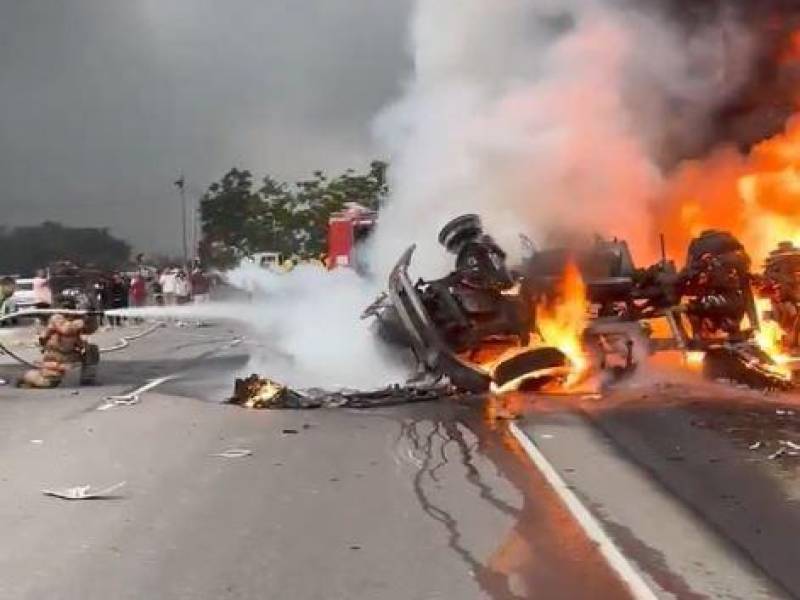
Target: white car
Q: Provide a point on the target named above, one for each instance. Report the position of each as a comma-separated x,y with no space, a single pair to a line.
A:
23,294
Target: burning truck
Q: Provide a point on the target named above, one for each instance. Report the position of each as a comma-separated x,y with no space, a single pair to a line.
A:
563,315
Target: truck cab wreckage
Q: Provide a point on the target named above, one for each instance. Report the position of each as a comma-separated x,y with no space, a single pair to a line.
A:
486,307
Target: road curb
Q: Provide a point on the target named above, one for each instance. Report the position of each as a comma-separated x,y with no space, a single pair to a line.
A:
638,587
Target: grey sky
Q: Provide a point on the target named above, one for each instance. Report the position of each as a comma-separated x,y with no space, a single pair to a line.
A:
103,102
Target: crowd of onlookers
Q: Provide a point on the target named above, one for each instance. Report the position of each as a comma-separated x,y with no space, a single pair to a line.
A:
176,286
143,287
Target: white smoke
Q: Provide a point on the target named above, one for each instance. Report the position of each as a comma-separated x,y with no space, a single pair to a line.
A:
543,117
303,328
310,330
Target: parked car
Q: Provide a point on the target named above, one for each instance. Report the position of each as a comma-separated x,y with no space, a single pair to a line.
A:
23,294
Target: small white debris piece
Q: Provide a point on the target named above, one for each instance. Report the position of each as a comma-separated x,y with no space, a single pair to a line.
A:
546,436
84,492
777,454
790,444
114,401
234,453
784,413
755,445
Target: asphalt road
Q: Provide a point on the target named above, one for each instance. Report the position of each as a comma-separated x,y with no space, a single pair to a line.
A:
410,502
420,501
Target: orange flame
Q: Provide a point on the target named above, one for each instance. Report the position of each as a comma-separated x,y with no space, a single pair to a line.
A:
755,197
770,339
791,50
561,323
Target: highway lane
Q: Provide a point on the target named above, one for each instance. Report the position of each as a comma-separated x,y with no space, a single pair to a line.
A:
680,475
424,501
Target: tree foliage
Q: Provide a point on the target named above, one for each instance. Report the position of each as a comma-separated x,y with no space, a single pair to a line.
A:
25,249
239,219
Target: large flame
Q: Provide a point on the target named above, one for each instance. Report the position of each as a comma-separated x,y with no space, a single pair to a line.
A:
755,196
769,338
561,322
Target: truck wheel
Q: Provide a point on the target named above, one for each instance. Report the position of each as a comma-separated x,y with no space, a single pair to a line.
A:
532,368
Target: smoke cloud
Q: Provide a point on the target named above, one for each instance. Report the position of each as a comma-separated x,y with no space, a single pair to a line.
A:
550,118
310,329
304,328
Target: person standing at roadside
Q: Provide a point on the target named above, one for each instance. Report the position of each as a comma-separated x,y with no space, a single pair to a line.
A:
182,290
138,291
168,281
7,304
42,295
118,295
200,286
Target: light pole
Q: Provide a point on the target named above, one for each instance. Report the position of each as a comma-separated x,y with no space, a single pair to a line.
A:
181,185
196,237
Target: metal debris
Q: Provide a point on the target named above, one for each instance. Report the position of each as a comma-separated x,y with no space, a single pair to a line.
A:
263,393
84,492
114,401
790,444
234,453
745,366
777,454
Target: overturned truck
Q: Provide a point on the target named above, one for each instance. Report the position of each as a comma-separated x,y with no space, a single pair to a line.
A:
443,321
449,322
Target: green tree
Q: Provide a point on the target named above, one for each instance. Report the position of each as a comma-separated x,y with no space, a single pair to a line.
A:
226,212
278,217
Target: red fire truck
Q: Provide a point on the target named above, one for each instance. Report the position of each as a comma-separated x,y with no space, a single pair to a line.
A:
346,229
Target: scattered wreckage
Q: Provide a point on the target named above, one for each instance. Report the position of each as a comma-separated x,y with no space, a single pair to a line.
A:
448,322
258,392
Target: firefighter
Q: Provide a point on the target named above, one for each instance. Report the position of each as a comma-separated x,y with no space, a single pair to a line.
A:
64,345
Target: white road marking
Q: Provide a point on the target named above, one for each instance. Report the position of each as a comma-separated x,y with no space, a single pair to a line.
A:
591,526
133,397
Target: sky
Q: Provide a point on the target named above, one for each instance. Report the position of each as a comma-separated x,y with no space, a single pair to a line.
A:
103,103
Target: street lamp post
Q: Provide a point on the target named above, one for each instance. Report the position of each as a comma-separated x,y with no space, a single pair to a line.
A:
181,185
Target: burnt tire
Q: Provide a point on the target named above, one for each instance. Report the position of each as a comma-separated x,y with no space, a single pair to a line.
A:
460,230
537,364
